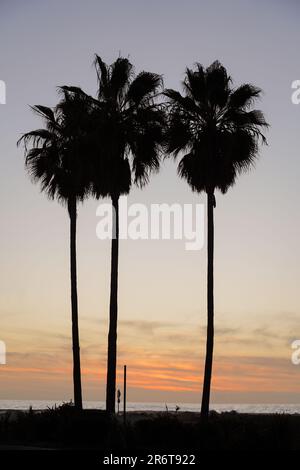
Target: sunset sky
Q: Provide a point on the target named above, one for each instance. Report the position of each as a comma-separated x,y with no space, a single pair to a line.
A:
162,296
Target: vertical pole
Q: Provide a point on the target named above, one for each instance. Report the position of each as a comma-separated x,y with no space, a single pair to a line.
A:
124,394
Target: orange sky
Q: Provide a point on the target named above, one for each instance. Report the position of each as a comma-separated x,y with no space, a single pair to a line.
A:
166,364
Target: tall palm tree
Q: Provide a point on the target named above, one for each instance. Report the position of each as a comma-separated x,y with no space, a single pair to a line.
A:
127,133
54,157
219,133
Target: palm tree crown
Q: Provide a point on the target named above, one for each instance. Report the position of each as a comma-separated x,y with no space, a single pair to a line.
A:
214,126
126,128
56,158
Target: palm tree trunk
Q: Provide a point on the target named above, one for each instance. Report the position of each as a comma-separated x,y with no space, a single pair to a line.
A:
113,313
210,306
74,303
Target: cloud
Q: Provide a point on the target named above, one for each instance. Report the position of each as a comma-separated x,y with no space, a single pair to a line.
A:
165,356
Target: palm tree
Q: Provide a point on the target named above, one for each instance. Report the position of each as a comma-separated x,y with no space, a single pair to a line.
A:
219,133
55,160
127,133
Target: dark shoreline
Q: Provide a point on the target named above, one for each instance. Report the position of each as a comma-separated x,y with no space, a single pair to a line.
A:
95,431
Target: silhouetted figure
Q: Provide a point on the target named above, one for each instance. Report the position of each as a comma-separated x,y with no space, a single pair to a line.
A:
119,400
219,133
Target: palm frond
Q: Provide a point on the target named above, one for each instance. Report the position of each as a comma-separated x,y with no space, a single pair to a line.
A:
121,72
195,84
44,111
103,76
37,137
244,96
145,85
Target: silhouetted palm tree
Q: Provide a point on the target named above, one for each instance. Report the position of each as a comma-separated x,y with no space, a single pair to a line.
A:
55,159
219,134
128,126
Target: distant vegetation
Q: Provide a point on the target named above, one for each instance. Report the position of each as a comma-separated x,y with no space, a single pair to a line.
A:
66,428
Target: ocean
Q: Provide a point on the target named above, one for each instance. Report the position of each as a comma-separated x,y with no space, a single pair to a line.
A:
156,406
